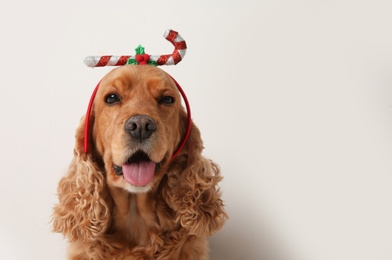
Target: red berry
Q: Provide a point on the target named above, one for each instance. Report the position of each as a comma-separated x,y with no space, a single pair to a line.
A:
139,58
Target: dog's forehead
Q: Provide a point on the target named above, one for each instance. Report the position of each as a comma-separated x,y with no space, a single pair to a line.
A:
128,75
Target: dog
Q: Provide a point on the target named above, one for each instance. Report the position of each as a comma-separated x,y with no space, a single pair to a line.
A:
127,197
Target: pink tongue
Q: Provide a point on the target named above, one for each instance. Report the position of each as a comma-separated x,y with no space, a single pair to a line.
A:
139,173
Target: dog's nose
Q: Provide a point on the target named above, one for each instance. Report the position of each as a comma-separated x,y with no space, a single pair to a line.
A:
140,126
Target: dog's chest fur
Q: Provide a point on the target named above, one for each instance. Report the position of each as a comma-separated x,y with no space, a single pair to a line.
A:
128,219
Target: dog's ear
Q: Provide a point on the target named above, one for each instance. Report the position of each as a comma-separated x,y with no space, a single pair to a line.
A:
83,211
193,191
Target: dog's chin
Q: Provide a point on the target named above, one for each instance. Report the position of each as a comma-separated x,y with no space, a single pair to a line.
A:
137,189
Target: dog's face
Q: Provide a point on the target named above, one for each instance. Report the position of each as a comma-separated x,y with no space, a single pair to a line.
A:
137,125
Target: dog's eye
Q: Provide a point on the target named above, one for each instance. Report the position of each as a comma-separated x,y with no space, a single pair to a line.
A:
166,100
111,99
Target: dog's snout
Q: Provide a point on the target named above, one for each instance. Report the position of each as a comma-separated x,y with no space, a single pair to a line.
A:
140,126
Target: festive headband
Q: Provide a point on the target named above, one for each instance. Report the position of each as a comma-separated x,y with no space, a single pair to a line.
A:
141,58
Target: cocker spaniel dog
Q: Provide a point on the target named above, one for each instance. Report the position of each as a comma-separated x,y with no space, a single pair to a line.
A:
127,198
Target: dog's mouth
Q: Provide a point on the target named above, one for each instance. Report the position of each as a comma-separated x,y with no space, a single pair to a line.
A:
138,170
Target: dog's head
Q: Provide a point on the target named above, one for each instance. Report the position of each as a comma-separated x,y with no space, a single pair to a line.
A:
137,126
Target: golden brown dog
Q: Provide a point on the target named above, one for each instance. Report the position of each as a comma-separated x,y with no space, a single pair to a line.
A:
126,198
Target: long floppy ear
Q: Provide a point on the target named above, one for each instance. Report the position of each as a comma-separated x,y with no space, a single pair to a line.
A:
193,190
82,212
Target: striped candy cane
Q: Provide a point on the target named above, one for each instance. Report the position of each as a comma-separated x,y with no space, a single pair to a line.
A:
167,59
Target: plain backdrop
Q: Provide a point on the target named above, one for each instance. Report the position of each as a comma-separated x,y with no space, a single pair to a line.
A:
293,98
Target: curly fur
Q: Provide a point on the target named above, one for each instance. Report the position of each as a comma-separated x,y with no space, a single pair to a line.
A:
170,220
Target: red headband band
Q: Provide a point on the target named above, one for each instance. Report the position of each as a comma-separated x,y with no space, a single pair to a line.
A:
188,128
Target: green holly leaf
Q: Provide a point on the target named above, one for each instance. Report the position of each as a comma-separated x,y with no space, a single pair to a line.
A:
139,49
132,62
151,62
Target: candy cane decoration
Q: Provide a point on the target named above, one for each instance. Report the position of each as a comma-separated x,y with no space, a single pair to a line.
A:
167,59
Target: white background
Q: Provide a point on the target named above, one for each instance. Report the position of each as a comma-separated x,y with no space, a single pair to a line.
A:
293,98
